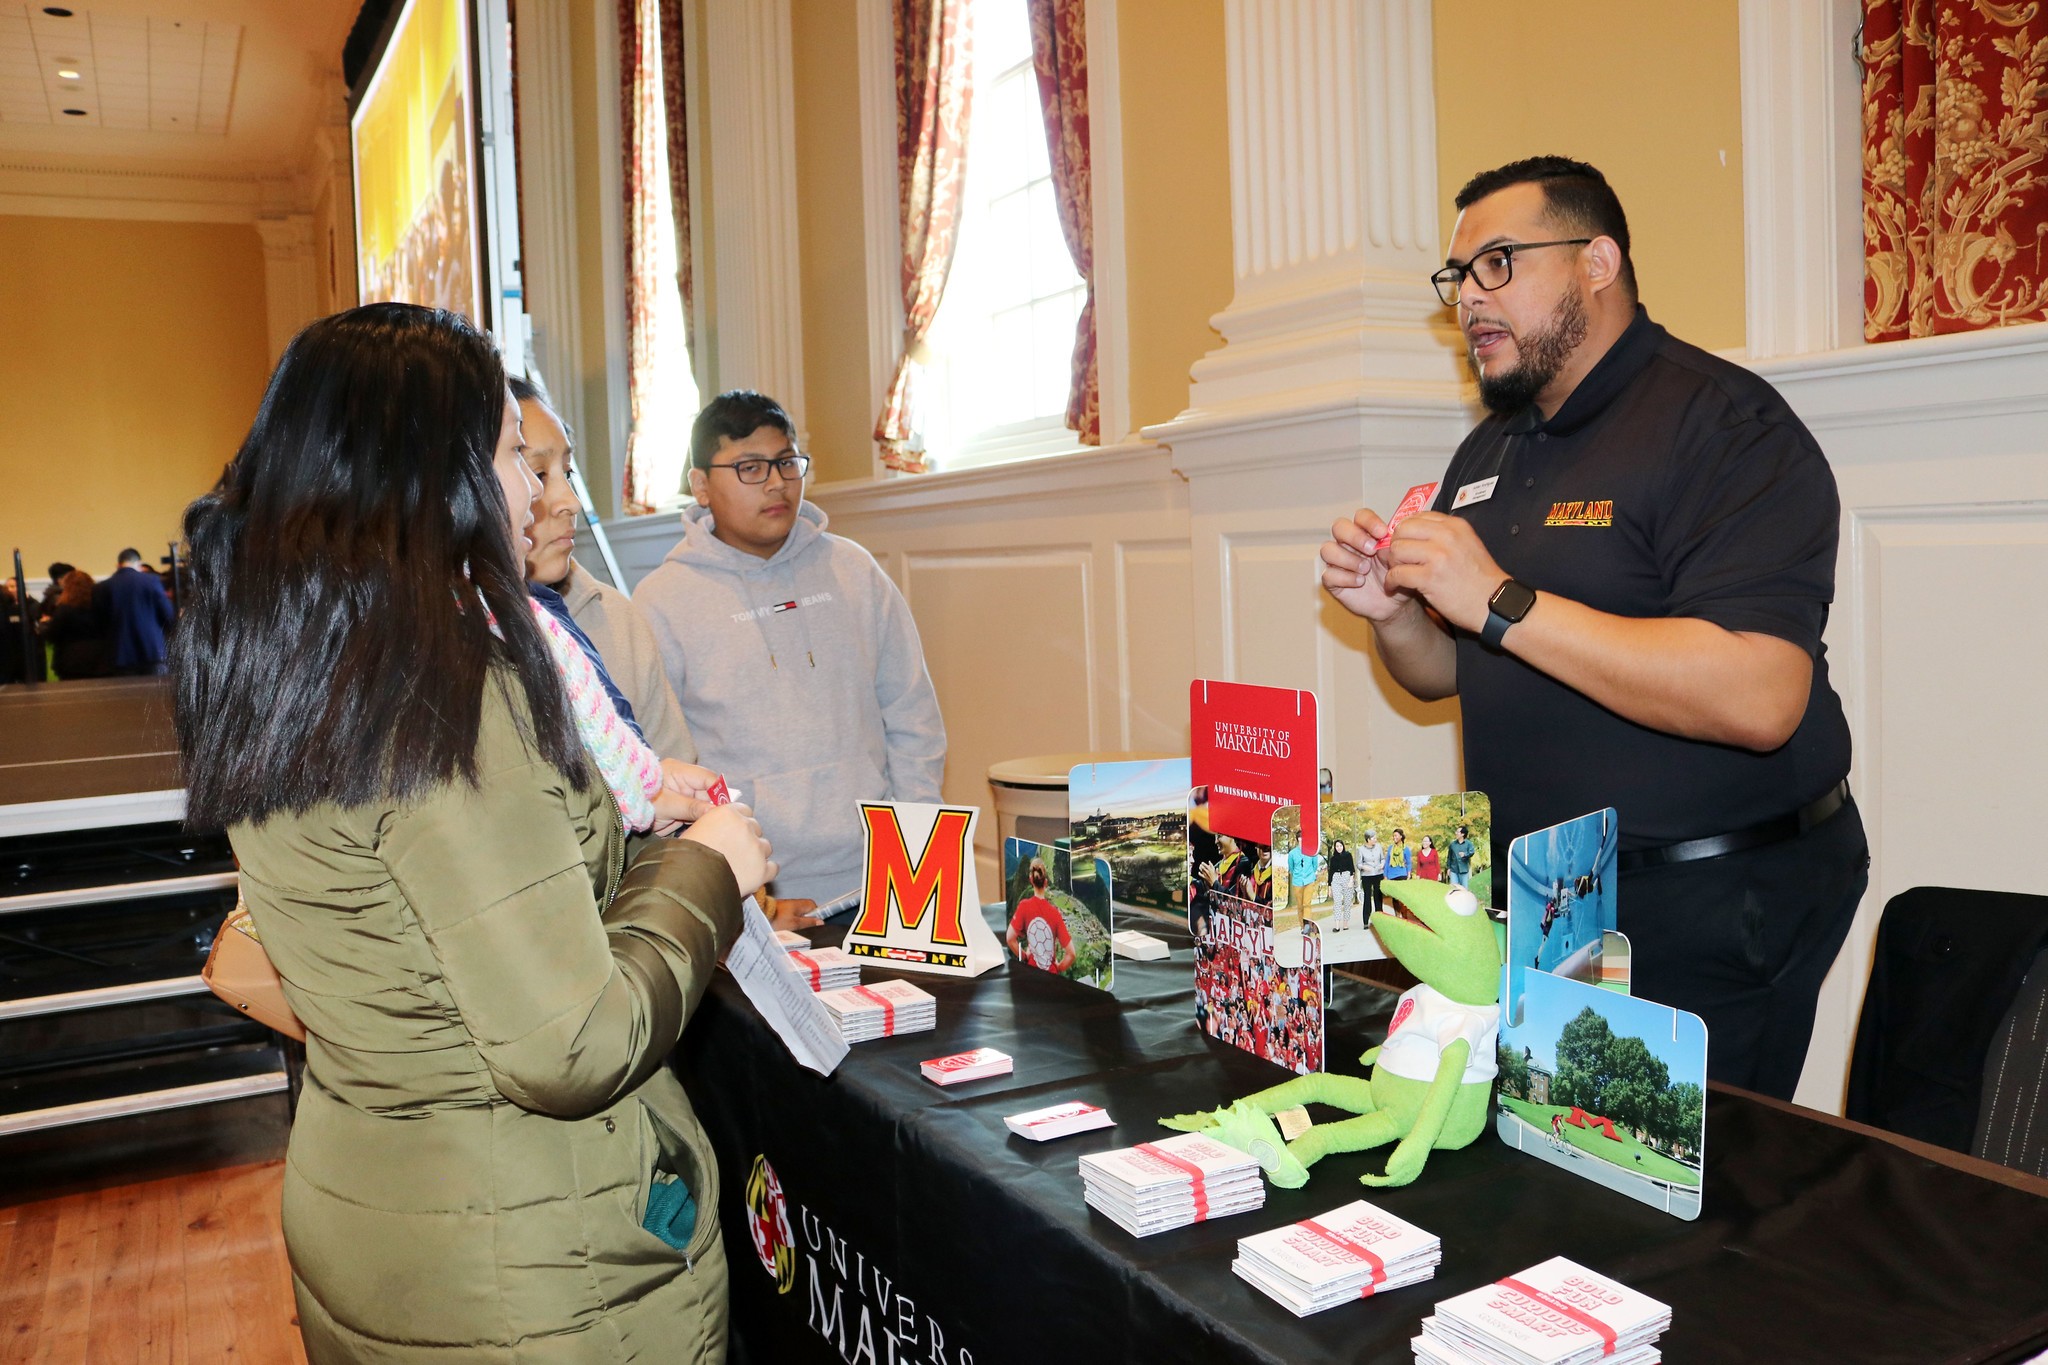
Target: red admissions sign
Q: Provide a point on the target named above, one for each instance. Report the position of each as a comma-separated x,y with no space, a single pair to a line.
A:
1254,749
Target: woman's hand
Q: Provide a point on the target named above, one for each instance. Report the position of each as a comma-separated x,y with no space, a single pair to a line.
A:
734,834
685,792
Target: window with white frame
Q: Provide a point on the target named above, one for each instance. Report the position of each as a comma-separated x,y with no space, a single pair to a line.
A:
997,378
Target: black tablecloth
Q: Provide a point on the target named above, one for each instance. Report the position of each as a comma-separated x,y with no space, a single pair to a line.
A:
922,1230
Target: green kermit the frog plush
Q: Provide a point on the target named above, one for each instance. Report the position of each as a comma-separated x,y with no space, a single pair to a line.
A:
1432,1079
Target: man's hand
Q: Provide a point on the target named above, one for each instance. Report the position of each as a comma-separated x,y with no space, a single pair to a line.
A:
733,832
1357,577
1440,559
788,913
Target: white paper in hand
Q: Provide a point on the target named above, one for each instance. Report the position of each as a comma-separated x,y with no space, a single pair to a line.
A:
761,965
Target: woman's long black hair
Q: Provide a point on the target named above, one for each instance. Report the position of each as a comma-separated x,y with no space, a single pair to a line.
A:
332,646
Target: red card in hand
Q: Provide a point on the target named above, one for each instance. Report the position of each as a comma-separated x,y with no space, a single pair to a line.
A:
718,795
1418,500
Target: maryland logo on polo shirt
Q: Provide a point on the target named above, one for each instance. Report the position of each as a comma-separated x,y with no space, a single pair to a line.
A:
1598,512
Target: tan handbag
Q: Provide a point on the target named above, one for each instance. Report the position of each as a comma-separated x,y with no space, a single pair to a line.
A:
240,972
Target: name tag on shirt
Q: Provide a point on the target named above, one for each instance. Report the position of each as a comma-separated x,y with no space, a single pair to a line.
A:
1478,491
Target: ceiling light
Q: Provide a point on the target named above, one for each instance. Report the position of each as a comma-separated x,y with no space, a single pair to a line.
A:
65,73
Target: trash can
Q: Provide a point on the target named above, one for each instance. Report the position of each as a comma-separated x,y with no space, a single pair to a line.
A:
1031,793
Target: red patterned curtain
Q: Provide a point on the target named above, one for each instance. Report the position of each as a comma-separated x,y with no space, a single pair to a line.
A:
1955,135
676,107
934,92
1059,57
651,107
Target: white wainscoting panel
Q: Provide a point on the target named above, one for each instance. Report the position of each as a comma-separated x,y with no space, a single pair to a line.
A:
1154,644
1940,452
1008,639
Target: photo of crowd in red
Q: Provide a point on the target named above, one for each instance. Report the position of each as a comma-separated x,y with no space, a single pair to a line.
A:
1242,996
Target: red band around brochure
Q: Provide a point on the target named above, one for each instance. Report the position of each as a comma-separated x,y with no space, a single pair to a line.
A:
1201,1188
1557,1305
809,964
888,1010
1356,1249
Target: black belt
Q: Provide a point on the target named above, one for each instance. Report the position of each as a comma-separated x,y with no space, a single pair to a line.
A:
1776,831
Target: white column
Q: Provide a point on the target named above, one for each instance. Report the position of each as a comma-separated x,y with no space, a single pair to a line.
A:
1333,206
1339,382
1802,167
758,308
291,285
547,134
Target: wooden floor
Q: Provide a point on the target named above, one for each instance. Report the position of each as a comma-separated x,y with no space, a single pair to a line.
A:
184,1268
148,1238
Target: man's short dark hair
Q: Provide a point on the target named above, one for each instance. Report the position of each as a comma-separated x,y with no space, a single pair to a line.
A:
1578,197
59,569
524,390
130,556
734,415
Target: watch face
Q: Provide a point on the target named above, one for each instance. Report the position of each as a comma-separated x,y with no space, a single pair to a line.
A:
1512,600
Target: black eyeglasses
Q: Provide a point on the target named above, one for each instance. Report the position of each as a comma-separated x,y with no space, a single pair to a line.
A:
1492,268
792,467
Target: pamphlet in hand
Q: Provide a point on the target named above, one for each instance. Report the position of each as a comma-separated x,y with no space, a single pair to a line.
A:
760,963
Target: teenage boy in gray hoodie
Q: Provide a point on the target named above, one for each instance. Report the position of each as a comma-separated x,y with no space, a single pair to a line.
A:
794,656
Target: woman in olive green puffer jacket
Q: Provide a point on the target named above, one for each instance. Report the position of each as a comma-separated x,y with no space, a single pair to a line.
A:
490,991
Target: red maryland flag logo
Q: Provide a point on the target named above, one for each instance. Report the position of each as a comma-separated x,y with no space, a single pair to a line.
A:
908,889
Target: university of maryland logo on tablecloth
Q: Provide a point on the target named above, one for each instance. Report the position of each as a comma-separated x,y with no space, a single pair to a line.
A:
920,896
768,1224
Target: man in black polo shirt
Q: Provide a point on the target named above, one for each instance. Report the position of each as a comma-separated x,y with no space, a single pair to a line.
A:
1624,579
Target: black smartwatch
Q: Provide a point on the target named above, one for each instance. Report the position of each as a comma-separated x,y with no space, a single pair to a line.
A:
1510,603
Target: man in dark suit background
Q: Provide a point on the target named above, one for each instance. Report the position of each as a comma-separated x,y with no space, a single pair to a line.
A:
138,613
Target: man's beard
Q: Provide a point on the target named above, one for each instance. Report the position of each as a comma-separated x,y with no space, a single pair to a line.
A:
1543,353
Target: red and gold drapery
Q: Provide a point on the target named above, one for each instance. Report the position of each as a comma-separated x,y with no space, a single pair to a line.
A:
651,110
934,98
1955,137
1059,57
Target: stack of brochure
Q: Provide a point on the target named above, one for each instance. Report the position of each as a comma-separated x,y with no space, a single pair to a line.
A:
1139,947
1158,1186
1349,1253
791,940
1557,1313
882,1010
1059,1120
827,969
977,1065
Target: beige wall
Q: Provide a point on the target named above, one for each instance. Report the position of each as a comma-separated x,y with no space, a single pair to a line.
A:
835,404
1176,193
1651,94
132,358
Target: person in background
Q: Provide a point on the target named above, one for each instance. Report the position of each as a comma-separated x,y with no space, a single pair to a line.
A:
1429,864
491,1160
1458,858
59,571
11,664
1343,884
77,643
1372,870
1398,857
605,615
796,659
138,616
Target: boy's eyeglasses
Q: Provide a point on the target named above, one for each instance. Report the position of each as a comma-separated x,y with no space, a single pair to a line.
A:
792,467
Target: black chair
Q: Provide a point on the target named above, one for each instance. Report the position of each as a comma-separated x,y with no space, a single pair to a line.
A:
2012,1117
1948,967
